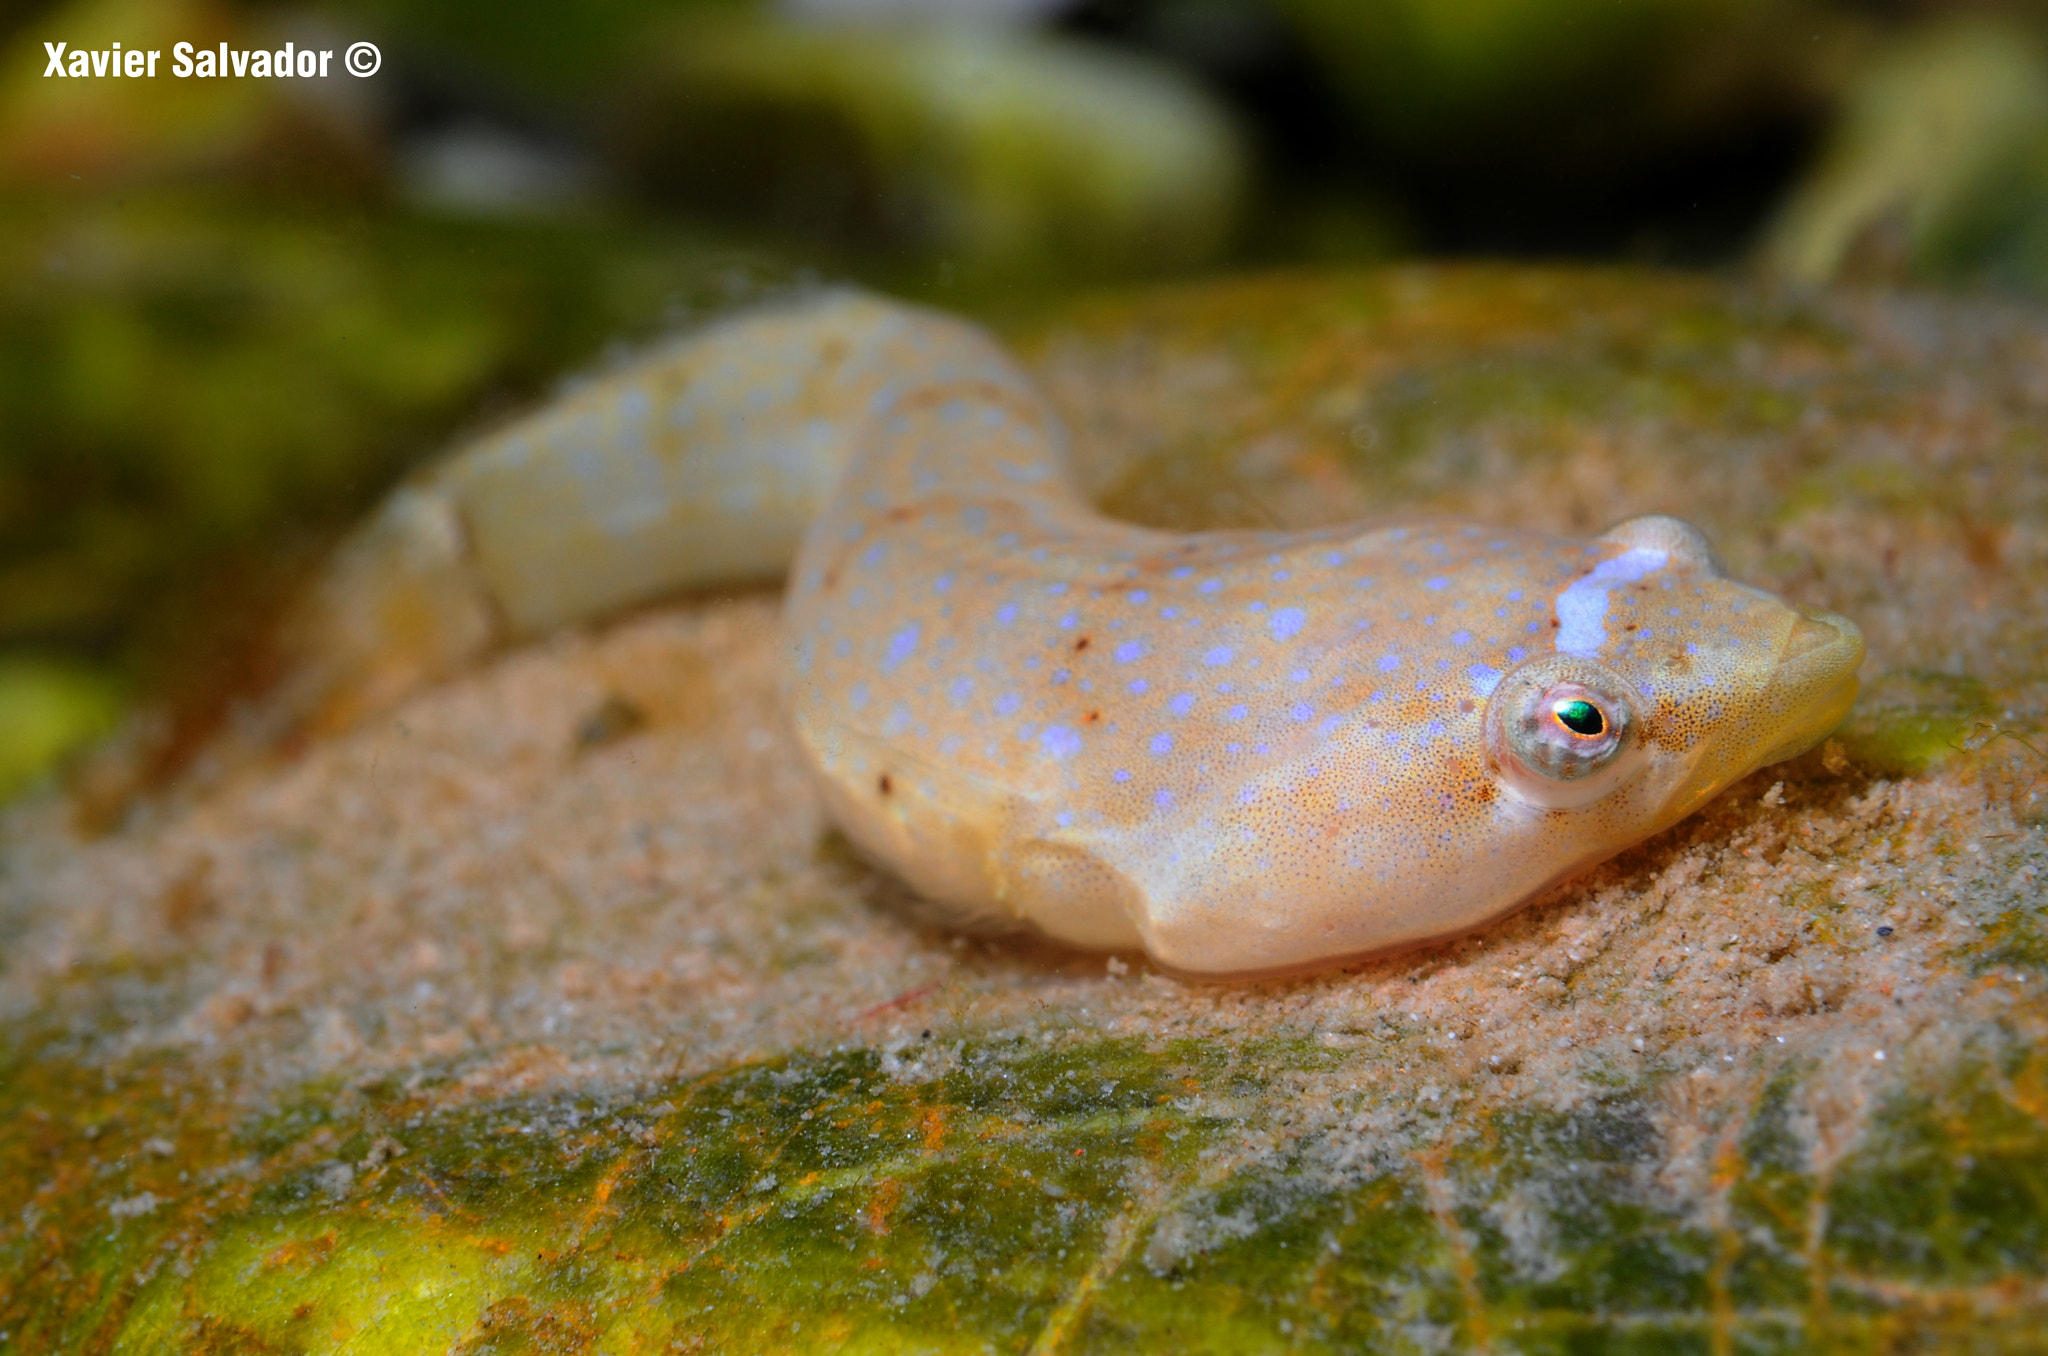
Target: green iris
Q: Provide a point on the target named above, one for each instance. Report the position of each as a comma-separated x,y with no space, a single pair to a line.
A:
1580,717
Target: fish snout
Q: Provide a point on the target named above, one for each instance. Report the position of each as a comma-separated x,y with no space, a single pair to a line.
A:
1818,631
1814,682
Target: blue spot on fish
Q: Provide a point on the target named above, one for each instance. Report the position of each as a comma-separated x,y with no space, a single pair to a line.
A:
901,646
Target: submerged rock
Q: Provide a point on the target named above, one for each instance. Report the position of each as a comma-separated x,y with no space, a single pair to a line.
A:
472,1030
995,151
1936,168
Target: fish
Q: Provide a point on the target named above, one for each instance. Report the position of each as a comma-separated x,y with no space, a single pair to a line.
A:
1243,752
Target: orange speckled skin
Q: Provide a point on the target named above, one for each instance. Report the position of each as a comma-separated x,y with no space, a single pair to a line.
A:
1243,751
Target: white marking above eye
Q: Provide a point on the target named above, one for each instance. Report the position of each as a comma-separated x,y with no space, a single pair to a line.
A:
1582,607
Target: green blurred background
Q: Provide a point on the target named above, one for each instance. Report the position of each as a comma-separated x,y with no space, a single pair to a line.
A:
233,311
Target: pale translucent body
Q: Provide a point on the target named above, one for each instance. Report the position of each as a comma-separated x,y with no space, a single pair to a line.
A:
1241,751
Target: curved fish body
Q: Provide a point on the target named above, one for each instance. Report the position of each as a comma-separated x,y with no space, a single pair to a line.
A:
1244,752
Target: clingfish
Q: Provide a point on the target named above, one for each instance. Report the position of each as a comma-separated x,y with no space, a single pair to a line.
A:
1243,751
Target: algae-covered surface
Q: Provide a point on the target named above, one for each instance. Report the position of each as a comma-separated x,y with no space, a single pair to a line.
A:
546,1014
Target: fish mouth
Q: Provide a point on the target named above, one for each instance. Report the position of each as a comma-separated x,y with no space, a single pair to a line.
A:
1815,680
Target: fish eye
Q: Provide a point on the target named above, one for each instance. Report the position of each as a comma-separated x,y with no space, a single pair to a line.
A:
1562,731
1579,716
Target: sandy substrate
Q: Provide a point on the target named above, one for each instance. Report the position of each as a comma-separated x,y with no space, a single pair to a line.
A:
464,882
